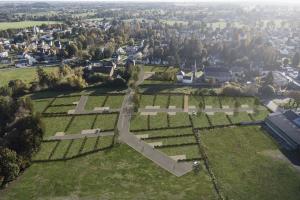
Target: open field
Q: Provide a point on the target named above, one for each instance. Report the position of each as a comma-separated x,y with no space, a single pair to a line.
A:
119,173
24,24
152,68
25,74
237,158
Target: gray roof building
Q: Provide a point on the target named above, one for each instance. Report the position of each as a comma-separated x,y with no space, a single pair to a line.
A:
285,127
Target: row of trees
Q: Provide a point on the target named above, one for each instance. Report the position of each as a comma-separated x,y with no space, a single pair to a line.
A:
21,133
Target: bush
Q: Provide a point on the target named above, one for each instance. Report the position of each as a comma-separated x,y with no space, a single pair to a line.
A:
230,90
267,91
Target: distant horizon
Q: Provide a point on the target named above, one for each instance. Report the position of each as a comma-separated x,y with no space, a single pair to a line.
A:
168,1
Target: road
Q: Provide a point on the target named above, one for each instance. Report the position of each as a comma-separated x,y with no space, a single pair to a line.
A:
161,159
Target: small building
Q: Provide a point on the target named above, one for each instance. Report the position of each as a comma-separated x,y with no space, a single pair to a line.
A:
217,74
285,128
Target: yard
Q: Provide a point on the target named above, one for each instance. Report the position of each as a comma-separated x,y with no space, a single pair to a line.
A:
240,159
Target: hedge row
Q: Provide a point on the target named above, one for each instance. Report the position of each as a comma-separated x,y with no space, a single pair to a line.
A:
175,145
69,124
49,104
190,159
54,149
207,166
60,105
228,118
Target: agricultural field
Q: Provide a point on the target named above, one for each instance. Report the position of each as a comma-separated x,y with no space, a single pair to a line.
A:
247,163
25,74
24,24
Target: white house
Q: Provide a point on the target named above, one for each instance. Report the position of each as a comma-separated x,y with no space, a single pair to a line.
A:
180,75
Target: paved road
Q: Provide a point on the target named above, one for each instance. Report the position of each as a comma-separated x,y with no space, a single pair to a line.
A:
79,136
81,104
161,159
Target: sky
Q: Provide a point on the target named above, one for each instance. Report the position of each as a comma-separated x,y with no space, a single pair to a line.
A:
264,1
271,2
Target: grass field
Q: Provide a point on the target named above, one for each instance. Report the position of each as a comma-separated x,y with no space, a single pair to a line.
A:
158,121
95,101
55,124
167,132
146,100
176,100
119,173
139,122
244,171
24,24
190,151
200,120
218,119
25,74
180,119
161,100
70,148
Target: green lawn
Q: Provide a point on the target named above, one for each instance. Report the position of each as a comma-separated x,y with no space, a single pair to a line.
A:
40,104
25,74
180,119
139,122
69,148
55,124
176,100
114,101
260,115
119,173
81,123
212,101
195,101
158,121
146,100
24,24
94,101
243,169
59,109
191,151
228,101
240,117
161,100
66,100
200,120
218,118
106,121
